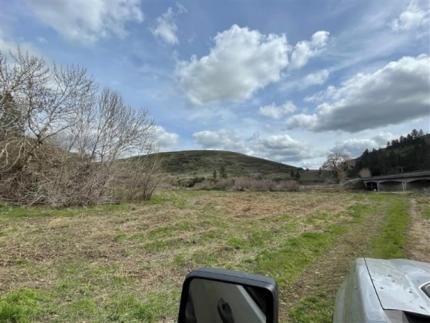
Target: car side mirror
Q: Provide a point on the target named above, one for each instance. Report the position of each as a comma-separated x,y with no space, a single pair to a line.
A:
223,296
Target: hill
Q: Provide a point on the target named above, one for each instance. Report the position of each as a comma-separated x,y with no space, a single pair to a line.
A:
230,164
406,154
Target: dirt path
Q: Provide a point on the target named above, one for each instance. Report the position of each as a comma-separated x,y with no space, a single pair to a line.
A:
327,273
418,247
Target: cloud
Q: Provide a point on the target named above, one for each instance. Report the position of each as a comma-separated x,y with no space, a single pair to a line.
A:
414,16
220,139
241,62
87,20
283,148
305,50
278,111
354,147
166,27
316,78
8,45
397,92
279,147
164,139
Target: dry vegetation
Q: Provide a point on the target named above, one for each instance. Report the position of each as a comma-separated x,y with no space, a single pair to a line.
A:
126,262
60,136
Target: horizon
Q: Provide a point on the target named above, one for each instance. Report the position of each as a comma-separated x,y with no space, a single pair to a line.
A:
353,77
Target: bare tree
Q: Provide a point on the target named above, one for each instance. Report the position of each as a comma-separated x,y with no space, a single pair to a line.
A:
59,135
337,163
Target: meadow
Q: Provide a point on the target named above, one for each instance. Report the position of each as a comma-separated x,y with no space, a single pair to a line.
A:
126,262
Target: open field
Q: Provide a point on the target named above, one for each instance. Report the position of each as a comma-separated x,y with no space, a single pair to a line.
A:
126,262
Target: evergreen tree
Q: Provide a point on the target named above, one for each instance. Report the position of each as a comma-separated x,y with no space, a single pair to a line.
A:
222,172
11,118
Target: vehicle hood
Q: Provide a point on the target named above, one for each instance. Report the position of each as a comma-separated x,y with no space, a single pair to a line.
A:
398,283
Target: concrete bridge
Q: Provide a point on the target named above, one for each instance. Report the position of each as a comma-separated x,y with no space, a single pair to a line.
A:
399,182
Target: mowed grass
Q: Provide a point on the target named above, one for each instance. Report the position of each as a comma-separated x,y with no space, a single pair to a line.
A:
389,242
127,262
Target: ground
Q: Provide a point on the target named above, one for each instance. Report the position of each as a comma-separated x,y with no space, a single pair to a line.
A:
127,262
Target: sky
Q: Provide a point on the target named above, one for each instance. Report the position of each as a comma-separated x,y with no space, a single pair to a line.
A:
288,80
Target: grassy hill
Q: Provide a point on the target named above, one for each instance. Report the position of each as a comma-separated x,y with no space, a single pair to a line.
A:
205,162
193,166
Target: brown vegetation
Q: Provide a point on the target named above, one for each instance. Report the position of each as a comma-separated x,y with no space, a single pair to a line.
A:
60,136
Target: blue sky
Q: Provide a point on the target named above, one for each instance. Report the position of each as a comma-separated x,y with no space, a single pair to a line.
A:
283,80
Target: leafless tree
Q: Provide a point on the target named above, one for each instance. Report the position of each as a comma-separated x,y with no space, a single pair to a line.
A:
337,163
59,135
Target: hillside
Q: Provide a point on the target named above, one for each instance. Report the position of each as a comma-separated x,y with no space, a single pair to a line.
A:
406,154
205,162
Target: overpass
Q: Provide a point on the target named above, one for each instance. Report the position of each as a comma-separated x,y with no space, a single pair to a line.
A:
398,182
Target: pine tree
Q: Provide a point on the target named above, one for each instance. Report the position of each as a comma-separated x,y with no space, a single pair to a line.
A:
11,118
222,172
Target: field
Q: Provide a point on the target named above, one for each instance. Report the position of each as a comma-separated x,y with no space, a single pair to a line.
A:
126,262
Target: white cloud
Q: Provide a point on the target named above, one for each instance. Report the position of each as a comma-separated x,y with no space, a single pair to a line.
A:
305,50
414,16
166,27
354,147
279,147
8,45
283,148
164,139
278,111
316,78
397,92
241,62
87,20
220,139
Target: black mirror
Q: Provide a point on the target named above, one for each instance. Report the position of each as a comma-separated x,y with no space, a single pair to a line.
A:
222,296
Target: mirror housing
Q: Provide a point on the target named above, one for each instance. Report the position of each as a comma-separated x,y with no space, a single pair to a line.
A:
223,296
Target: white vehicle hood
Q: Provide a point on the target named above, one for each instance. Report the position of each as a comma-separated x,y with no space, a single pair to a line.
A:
398,284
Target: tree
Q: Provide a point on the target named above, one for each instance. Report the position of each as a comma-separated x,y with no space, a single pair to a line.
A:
67,133
365,172
11,118
337,163
214,175
223,172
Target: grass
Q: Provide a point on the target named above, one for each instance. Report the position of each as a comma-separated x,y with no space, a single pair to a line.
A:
313,309
392,240
21,305
127,262
389,243
287,262
426,213
423,204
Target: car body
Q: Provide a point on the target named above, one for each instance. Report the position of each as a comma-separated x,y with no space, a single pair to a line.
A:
378,290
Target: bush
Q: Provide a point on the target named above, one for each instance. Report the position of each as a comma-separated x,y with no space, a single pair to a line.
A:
253,184
190,181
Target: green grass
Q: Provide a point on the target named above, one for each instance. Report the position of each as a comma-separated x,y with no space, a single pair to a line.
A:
10,212
426,213
391,241
286,263
126,262
128,308
22,305
389,244
313,309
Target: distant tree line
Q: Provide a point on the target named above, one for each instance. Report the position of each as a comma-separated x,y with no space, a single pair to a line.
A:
405,154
